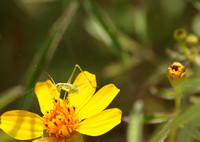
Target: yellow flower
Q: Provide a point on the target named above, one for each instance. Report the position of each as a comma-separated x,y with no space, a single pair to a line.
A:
176,74
65,119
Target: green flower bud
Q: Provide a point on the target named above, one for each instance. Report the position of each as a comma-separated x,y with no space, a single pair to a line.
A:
180,35
192,39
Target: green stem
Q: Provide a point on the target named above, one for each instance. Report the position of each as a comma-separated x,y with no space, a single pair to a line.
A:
190,57
176,112
184,48
177,105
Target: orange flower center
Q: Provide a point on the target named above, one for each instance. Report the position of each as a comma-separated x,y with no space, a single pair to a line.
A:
62,120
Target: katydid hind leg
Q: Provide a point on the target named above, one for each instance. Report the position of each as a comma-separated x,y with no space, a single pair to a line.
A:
70,78
90,81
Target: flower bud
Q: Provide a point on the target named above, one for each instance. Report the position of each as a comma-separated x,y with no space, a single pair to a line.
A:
176,74
192,39
180,35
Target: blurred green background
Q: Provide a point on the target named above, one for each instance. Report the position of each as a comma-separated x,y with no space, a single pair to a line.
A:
124,42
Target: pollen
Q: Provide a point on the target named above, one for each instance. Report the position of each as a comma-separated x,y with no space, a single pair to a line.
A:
62,120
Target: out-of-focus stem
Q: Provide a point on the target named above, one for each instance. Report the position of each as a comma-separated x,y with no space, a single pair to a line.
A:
184,48
177,107
190,57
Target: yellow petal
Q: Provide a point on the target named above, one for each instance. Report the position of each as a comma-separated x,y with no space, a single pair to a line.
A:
99,101
22,125
76,137
100,123
45,92
86,89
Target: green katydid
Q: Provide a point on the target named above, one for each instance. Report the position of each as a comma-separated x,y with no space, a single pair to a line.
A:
68,87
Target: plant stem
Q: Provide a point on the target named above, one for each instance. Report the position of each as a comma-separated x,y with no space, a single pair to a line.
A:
176,112
184,48
190,57
177,105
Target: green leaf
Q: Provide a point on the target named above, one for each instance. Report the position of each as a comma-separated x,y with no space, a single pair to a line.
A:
156,118
195,99
48,48
188,115
191,85
188,132
165,94
135,123
105,29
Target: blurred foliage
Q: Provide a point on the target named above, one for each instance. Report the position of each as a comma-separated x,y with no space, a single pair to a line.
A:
129,43
182,119
135,123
